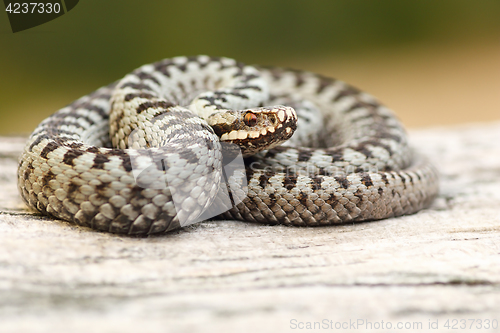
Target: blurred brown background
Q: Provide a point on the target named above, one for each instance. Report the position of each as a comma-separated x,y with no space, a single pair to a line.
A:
433,62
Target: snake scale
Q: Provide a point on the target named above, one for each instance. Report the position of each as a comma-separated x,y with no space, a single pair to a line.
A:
349,159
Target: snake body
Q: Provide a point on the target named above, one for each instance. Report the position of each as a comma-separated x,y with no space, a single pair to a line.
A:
78,164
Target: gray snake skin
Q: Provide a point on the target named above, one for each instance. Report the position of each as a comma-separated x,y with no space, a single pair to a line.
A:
78,164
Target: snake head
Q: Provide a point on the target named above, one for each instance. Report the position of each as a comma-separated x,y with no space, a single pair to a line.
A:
257,129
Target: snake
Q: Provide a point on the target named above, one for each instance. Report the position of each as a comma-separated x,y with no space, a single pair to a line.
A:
152,152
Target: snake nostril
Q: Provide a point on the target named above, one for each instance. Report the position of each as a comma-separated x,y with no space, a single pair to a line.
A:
250,119
273,119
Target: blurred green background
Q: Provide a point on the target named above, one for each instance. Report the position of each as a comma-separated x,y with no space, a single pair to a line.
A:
383,46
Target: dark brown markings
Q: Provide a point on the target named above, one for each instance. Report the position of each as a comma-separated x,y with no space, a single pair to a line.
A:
304,155
176,132
86,119
101,190
344,183
182,67
28,171
238,73
263,180
193,84
290,181
179,117
216,97
303,198
393,137
182,88
193,59
335,154
137,86
50,147
299,80
196,59
411,178
323,172
349,91
248,170
188,155
403,180
384,178
99,161
154,105
171,222
124,157
121,223
70,156
250,77
380,190
131,96
56,128
104,96
323,83
359,105
211,100
71,119
47,178
60,132
316,182
362,147
39,139
163,68
359,194
209,144
366,180
239,66
207,127
99,110
364,150
61,140
206,79
238,95
370,115
220,96
72,189
332,201
275,72
218,82
147,76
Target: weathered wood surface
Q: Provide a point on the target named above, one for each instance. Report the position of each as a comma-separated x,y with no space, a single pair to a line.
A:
439,264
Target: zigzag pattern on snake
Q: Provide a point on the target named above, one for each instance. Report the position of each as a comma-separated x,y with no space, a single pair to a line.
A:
357,167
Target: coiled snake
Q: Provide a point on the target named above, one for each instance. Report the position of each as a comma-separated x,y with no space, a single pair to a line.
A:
181,112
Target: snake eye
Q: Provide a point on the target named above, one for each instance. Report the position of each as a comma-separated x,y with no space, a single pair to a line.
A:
250,119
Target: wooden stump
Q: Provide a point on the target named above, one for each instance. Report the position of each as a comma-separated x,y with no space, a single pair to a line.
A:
437,267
